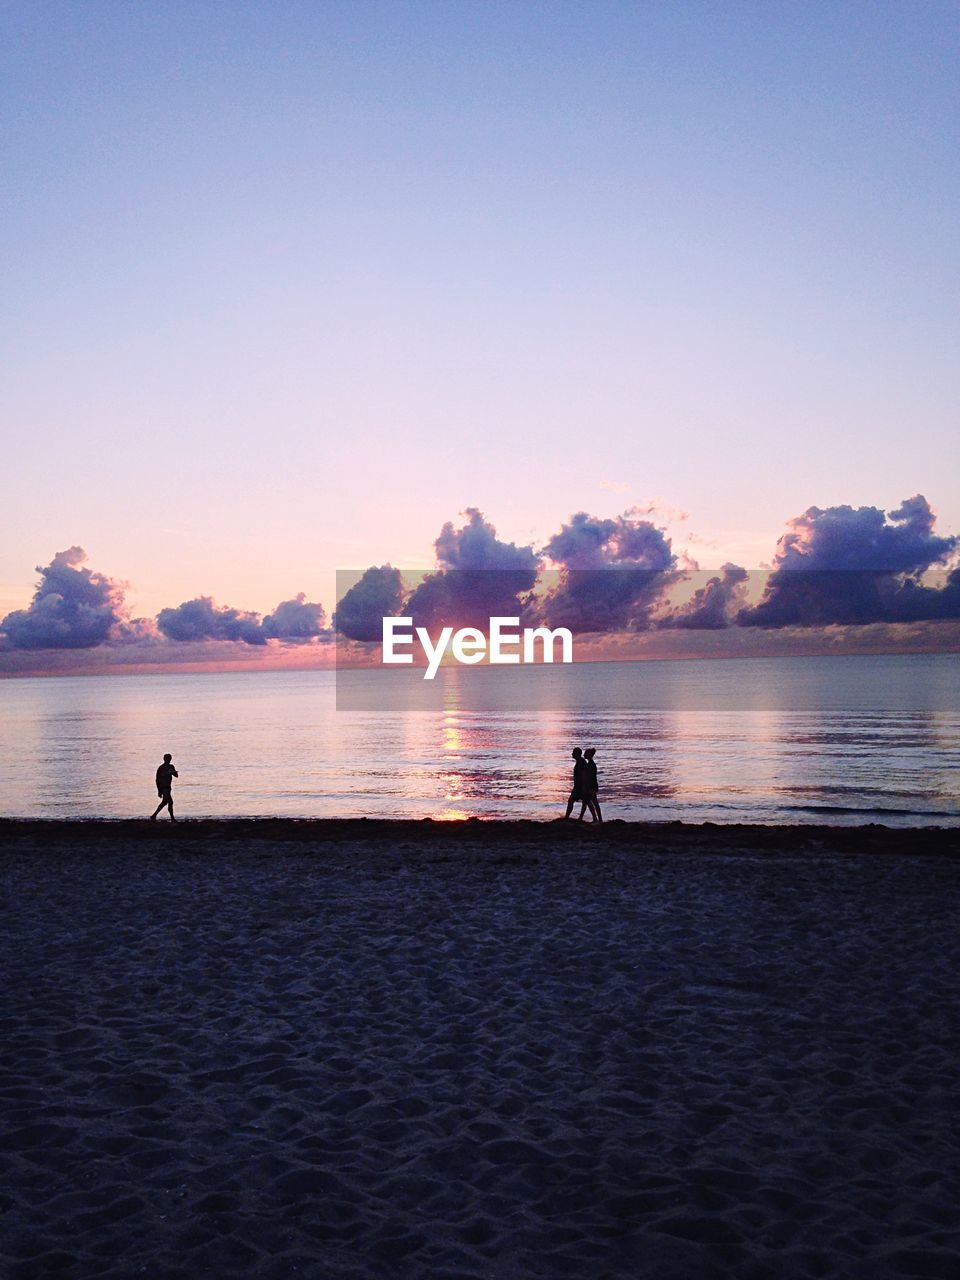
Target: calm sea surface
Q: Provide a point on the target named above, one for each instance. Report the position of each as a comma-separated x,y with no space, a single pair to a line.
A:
840,740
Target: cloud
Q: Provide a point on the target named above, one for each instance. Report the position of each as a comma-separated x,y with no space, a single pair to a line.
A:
857,565
864,538
914,601
296,619
835,567
587,542
475,545
72,608
712,606
76,608
661,508
479,577
611,573
201,619
377,595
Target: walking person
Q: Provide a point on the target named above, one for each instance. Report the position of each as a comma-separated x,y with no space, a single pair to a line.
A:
165,776
592,788
579,781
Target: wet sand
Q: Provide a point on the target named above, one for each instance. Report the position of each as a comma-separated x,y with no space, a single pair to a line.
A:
368,1049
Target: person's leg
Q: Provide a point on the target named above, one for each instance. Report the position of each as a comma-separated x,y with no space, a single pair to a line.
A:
596,805
583,809
570,804
163,801
170,807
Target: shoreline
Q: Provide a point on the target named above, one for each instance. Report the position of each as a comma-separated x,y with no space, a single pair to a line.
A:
617,833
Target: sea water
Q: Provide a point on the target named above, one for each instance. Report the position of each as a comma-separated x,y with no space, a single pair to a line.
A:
816,739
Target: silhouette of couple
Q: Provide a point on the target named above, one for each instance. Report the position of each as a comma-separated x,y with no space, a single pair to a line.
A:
585,785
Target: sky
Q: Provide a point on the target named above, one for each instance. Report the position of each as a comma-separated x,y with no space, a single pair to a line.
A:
286,287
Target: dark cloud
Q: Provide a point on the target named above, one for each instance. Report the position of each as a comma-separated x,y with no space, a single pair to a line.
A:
72,608
835,566
377,595
75,608
611,576
475,545
856,565
296,619
201,619
479,577
938,601
588,542
712,606
864,538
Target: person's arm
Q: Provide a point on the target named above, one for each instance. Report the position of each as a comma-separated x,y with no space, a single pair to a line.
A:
174,772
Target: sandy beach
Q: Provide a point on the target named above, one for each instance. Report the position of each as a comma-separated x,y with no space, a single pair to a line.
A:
458,1051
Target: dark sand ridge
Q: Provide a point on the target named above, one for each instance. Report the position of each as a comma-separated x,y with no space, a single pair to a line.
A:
378,1049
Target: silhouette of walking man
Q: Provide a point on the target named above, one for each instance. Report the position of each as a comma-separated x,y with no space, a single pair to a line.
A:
579,782
591,788
165,776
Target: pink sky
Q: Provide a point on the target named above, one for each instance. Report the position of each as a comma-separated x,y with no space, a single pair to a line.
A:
290,288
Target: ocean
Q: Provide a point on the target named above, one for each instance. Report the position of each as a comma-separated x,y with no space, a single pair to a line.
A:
843,740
